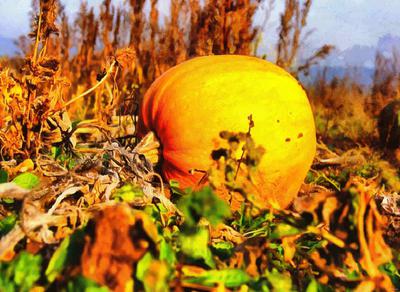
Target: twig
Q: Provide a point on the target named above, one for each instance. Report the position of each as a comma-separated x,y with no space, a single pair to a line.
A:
64,194
91,89
251,125
8,241
37,37
12,191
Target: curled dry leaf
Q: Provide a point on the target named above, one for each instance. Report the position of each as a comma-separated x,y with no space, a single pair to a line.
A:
389,203
225,232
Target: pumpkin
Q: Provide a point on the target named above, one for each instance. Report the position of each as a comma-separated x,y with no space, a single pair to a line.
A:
189,105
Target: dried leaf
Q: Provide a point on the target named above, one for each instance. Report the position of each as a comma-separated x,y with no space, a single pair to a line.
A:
121,239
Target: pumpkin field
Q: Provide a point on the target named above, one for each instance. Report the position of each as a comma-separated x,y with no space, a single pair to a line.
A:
148,152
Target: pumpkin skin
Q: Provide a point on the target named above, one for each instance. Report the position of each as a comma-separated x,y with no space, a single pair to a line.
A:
190,104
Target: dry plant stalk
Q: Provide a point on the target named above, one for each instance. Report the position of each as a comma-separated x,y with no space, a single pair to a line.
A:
292,24
31,121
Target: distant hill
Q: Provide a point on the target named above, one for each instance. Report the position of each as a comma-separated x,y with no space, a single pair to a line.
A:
362,75
364,56
388,43
356,56
358,62
7,46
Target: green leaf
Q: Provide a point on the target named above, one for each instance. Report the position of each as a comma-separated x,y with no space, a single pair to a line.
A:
58,260
260,285
231,278
260,221
55,152
26,180
7,224
152,273
175,189
203,203
67,159
174,184
223,249
128,193
27,270
83,284
6,284
66,254
310,177
75,123
393,273
8,201
310,242
143,265
282,230
368,170
167,253
20,274
195,246
315,286
279,281
3,176
312,286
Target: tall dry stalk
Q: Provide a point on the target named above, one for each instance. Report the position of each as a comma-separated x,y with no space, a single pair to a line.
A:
291,32
31,102
106,23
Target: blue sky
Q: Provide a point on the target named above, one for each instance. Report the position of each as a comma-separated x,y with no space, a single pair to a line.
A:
343,23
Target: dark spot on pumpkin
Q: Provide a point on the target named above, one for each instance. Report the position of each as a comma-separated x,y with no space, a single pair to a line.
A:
287,140
278,121
300,135
217,154
233,139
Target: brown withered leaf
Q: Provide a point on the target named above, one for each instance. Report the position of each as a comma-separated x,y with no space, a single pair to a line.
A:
225,232
121,239
311,201
251,255
329,207
50,64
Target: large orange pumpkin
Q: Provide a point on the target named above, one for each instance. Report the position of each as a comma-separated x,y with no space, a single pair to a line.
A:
189,105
